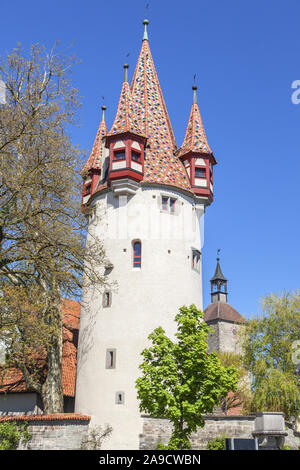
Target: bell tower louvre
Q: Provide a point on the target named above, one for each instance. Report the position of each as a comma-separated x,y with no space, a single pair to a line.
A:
148,201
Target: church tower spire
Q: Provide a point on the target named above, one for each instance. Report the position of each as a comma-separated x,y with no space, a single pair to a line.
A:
218,284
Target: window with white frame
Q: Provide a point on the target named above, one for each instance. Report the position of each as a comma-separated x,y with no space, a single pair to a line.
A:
168,204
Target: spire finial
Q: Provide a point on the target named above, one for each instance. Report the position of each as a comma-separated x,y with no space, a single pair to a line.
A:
194,87
103,107
218,254
126,67
145,23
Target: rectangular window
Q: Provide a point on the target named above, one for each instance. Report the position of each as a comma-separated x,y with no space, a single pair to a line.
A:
120,155
200,173
165,203
172,205
106,299
196,260
110,362
120,398
135,156
168,204
137,254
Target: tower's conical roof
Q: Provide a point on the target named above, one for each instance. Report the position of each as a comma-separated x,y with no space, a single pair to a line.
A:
161,165
125,120
218,276
95,158
195,138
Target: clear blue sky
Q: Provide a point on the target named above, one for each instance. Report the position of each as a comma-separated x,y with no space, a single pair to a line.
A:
246,56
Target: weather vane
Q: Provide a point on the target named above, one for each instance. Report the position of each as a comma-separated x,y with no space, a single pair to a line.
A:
194,79
147,9
218,253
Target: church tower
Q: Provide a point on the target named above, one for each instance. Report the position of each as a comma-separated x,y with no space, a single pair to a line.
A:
224,320
147,199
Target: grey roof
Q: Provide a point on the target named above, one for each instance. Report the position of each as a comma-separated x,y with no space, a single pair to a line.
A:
218,276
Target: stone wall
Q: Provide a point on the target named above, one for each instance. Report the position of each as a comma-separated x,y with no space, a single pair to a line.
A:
53,432
159,430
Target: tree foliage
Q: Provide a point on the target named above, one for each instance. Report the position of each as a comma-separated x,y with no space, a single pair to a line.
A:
180,381
268,355
11,433
42,230
243,390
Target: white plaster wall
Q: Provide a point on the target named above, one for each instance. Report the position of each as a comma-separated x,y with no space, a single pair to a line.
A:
145,299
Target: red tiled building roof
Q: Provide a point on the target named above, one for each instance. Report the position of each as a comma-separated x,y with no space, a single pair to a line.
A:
53,417
222,311
13,380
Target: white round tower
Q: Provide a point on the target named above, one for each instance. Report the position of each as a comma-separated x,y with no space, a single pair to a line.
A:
148,203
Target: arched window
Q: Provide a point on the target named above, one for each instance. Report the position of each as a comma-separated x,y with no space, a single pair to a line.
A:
137,254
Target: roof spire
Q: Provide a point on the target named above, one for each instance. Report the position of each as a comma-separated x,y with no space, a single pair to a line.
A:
145,23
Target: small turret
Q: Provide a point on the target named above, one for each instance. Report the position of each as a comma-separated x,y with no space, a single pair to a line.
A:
92,169
126,145
197,156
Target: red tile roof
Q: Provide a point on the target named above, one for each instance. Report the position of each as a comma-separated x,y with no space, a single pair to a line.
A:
222,311
13,380
53,417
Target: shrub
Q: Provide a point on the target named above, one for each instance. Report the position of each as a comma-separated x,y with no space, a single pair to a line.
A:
10,435
217,444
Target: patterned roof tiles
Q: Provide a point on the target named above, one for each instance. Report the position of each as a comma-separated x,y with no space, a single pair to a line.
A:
125,120
95,158
161,165
195,138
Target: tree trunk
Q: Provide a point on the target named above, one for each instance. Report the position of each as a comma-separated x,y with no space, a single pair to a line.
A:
52,393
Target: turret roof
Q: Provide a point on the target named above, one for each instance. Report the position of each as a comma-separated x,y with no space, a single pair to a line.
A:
195,138
95,158
218,276
125,120
161,165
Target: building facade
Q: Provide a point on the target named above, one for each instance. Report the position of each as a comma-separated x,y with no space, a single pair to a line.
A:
146,200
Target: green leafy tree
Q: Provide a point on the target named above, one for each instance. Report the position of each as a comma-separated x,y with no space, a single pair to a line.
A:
180,381
268,355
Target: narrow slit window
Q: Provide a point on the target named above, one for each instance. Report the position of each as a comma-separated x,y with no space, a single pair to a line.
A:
110,359
120,398
106,299
137,254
